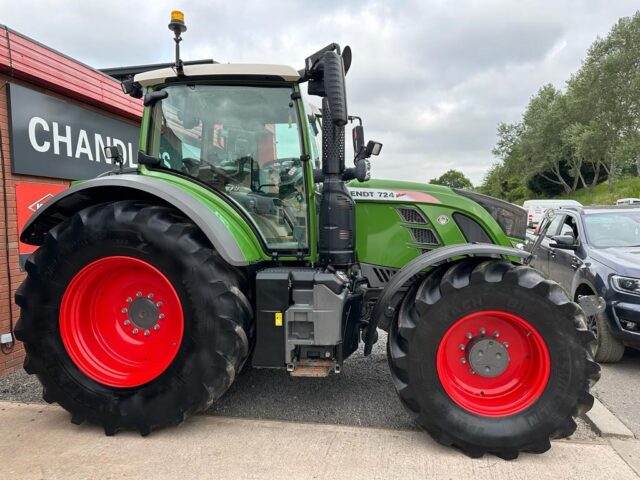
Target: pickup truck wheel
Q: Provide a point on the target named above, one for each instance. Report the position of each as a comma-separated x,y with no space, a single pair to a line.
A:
491,357
130,319
607,348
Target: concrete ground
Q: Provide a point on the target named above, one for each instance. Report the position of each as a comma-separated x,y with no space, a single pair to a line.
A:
38,442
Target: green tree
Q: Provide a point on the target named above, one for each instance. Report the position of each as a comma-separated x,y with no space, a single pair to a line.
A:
574,139
505,179
543,144
606,90
454,179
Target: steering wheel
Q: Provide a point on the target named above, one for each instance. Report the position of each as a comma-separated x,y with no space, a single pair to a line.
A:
290,170
191,163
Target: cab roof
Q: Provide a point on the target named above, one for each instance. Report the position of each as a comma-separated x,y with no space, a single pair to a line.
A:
156,77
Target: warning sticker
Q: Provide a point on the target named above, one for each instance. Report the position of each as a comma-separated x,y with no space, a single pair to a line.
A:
29,198
278,318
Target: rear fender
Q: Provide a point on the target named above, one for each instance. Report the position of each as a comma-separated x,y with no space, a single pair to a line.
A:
388,301
226,232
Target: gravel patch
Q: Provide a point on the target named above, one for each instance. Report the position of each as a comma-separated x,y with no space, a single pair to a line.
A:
20,387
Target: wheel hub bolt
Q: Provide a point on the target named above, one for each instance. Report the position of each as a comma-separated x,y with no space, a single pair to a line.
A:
138,294
482,331
156,327
124,310
469,335
146,333
129,299
127,323
463,360
150,296
506,344
496,334
159,304
161,316
461,347
135,331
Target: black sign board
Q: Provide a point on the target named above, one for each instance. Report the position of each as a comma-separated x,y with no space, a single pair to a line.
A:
54,138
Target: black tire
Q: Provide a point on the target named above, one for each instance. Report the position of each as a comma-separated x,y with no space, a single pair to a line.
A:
449,293
607,348
217,316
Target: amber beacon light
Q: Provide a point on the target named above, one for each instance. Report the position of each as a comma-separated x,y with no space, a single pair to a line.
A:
177,22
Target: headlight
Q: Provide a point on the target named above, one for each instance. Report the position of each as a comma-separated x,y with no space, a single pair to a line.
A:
626,284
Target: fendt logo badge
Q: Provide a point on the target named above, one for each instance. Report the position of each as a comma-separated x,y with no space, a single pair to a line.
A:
443,219
38,203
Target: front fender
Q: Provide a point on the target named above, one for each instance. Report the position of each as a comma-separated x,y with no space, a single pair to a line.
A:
225,228
385,306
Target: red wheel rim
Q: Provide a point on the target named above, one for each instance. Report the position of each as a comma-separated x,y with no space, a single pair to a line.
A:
523,371
121,321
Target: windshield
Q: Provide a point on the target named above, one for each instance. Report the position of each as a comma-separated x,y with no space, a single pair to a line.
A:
244,141
613,229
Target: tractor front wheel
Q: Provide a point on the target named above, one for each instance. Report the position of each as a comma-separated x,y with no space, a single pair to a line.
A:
130,319
491,357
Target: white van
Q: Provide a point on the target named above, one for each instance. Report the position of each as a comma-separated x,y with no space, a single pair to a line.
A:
536,208
628,201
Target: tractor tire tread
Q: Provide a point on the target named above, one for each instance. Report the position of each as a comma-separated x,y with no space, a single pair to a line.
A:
504,274
218,340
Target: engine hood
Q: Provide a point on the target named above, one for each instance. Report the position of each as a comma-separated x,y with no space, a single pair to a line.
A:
624,260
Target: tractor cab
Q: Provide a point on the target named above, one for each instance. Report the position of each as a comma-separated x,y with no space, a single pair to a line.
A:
246,141
243,131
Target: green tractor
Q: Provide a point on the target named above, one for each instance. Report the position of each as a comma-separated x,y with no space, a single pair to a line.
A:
234,243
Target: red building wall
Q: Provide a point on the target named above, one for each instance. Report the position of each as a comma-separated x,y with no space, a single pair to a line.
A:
31,64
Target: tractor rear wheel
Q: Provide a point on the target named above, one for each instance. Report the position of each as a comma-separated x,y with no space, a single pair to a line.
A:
491,357
130,319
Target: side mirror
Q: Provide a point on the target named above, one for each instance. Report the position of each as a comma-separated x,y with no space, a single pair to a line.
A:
564,242
373,148
357,133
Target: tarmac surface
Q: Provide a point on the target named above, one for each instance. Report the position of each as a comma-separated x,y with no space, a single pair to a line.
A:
619,389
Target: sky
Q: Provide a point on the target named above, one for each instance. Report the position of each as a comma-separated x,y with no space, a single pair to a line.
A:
431,78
